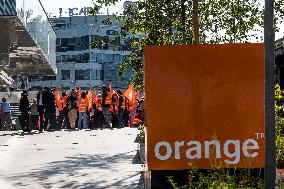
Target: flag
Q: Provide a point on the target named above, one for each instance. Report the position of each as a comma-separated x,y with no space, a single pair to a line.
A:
130,94
112,92
80,92
95,100
57,98
90,98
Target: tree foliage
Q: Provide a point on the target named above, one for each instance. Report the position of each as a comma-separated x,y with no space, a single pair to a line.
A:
166,22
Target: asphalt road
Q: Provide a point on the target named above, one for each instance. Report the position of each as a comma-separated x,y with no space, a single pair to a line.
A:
70,159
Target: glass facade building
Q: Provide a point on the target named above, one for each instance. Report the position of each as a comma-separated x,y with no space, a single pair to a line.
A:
89,52
35,19
28,41
8,8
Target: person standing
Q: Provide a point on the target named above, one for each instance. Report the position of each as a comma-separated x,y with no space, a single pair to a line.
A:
98,114
50,111
63,112
121,110
24,109
106,102
114,111
40,107
34,115
72,104
83,104
6,120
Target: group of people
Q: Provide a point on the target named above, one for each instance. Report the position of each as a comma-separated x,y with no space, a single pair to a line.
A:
54,110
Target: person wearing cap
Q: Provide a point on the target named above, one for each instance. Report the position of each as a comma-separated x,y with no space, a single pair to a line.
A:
6,120
24,108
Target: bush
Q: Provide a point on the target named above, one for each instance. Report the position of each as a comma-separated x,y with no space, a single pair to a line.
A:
221,178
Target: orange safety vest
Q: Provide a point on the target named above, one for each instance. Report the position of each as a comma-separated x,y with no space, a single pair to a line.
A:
64,101
108,99
83,104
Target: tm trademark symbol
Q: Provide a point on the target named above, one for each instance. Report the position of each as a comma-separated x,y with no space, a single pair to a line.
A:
259,135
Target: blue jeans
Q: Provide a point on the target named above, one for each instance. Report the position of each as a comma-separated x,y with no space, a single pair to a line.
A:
121,120
82,115
107,119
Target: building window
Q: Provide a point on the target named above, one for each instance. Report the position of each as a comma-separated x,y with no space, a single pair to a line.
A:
82,74
71,41
58,59
65,74
108,58
86,57
58,41
116,57
99,57
64,42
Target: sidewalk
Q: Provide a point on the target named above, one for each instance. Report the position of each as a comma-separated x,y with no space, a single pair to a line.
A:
71,159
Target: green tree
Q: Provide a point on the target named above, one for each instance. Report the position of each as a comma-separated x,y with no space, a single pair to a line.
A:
164,22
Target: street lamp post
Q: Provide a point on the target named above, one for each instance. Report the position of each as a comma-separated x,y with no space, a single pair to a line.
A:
270,151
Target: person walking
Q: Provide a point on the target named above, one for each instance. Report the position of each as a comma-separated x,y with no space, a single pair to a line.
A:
24,109
34,116
83,104
6,120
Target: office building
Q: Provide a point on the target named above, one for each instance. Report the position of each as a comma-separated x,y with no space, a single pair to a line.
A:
89,51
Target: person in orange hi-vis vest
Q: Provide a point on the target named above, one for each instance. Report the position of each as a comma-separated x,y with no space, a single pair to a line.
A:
98,115
82,107
106,102
88,108
63,112
114,110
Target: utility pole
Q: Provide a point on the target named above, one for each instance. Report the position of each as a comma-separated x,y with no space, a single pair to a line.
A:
270,152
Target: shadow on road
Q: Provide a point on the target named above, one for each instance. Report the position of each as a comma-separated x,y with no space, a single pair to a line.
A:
84,171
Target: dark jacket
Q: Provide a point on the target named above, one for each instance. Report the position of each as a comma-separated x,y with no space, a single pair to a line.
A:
50,103
72,101
24,104
120,101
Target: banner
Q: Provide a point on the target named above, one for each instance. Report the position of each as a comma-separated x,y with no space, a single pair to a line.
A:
204,106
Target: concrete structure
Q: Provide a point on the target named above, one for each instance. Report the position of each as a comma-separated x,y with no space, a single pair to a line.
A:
89,51
27,45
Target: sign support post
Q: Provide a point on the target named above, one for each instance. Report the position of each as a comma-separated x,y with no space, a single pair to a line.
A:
270,152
